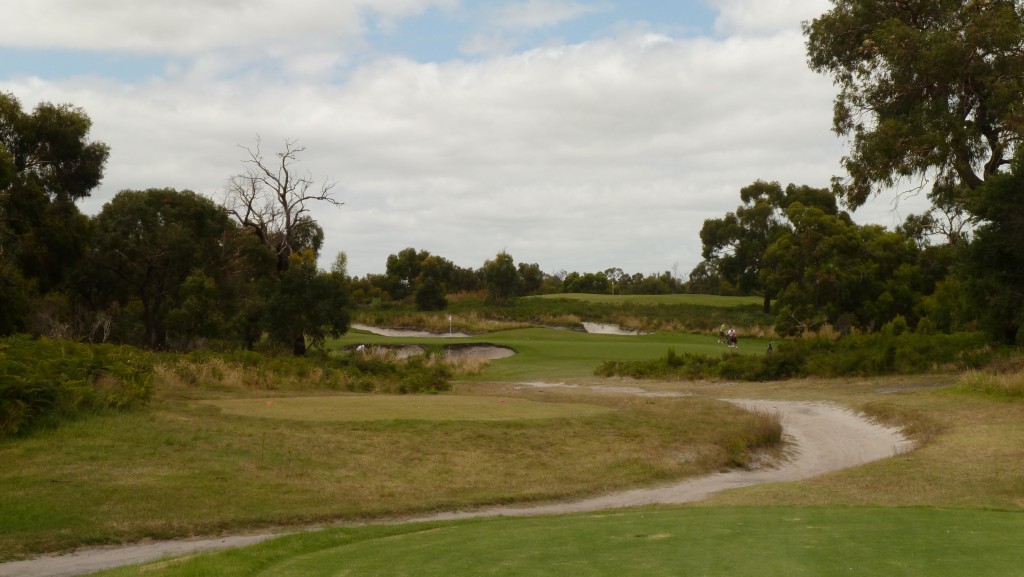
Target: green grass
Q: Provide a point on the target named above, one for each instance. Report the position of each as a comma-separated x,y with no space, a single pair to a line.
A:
678,299
552,354
727,542
350,408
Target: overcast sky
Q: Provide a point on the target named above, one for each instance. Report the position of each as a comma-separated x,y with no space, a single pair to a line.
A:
576,134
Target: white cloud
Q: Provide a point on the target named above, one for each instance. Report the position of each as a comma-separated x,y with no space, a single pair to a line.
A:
190,27
541,13
579,157
759,17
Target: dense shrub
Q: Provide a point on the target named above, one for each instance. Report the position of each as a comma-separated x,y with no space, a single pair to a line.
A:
318,370
884,353
44,381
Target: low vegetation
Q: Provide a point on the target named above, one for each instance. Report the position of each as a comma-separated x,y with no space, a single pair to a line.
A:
46,381
884,353
215,449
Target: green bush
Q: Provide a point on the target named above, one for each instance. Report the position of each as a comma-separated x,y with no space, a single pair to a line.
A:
45,381
893,351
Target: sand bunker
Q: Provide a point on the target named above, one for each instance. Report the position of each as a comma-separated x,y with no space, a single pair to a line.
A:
478,352
461,352
407,332
608,329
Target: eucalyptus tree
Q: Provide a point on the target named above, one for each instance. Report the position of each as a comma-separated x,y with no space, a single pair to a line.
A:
47,163
271,200
828,269
994,263
306,303
146,244
502,279
734,246
925,87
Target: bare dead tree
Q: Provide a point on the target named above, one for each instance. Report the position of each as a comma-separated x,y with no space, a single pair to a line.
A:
270,199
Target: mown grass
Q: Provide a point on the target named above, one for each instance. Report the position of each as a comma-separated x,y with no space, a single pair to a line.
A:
551,354
726,542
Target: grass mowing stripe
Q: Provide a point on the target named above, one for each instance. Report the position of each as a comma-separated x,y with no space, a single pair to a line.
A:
734,542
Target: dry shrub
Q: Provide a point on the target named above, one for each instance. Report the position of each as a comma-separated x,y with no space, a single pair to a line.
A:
760,435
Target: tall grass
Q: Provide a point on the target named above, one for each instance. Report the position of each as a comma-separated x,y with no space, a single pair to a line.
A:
760,438
241,371
1000,385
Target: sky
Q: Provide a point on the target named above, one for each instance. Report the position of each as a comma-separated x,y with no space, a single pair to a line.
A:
580,135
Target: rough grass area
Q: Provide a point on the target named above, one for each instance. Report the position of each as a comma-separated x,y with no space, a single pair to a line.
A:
1008,386
181,468
350,408
720,542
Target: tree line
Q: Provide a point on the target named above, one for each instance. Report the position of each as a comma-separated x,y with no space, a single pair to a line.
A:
929,97
159,267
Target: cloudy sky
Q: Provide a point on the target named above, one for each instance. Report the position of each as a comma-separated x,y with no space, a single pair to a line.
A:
576,134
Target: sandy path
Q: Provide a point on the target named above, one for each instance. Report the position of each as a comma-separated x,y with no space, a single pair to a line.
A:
823,438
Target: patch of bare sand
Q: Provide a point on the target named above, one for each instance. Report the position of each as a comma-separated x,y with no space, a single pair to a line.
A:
407,332
823,437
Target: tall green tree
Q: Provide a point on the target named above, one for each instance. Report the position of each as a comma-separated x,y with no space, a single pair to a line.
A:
430,284
148,243
736,243
502,279
306,303
828,269
47,162
994,263
924,86
402,269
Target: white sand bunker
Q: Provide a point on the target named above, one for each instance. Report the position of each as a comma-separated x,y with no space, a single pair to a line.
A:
407,332
478,352
608,329
474,352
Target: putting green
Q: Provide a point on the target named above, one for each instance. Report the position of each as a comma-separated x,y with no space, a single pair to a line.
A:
405,407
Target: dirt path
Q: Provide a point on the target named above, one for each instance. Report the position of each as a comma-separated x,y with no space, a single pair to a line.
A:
823,438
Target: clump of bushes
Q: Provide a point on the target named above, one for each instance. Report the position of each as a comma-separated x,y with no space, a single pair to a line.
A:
45,381
318,370
882,353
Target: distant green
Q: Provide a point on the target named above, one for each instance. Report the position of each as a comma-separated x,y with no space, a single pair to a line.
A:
551,354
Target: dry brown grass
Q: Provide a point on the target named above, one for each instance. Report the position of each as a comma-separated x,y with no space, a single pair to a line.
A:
185,468
970,454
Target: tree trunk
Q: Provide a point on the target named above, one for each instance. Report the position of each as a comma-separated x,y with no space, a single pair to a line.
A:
767,304
299,345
